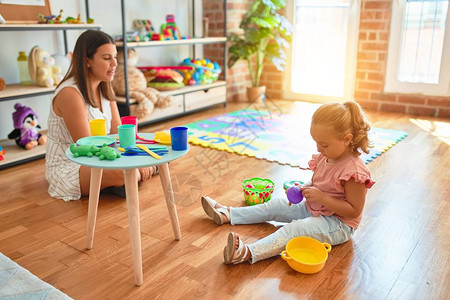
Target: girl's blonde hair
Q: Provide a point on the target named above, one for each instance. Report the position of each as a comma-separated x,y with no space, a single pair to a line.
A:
345,118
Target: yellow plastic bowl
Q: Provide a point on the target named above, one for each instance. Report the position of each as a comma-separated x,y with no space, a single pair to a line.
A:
306,255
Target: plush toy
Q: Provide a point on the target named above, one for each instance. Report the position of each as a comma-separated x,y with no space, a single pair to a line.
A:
26,123
42,68
148,98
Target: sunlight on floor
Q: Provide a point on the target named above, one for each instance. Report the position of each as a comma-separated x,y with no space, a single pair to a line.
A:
441,130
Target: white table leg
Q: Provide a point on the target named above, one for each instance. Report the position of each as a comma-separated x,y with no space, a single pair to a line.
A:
131,189
94,193
170,200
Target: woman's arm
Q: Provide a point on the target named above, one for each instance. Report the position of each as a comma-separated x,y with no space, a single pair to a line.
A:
355,194
69,105
115,120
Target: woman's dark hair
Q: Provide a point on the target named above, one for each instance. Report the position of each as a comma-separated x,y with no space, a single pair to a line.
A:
86,46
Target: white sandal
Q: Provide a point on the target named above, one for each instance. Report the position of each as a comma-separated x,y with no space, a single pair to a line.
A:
231,255
214,213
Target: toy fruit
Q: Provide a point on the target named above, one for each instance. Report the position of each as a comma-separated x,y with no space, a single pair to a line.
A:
294,195
306,254
257,190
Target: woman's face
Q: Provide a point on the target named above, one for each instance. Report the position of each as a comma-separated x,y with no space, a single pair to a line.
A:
102,66
329,144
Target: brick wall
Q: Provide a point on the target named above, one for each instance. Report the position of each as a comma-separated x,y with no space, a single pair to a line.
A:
371,68
371,62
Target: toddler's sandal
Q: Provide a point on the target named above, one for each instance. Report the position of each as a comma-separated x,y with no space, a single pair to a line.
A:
214,213
231,255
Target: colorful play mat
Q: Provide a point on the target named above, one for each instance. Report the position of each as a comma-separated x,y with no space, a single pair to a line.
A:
275,137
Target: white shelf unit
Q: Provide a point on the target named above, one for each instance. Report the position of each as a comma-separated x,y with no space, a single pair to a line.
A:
13,154
188,98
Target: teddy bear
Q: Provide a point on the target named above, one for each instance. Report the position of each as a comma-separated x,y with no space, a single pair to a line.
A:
148,98
26,127
42,68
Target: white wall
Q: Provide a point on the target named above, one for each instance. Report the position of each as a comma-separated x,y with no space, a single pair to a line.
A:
104,12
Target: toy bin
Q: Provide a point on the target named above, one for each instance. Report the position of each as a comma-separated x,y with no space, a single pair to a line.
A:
257,190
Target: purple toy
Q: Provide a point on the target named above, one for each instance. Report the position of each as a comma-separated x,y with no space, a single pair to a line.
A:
26,127
294,195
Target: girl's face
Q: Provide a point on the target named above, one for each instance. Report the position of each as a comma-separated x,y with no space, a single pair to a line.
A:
102,66
329,144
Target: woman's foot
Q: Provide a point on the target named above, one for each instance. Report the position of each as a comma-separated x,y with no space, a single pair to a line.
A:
235,252
147,173
216,211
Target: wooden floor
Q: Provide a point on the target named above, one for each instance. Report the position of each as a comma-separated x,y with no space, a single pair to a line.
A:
400,250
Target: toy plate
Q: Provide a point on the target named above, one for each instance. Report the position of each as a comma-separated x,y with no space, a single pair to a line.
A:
96,141
162,137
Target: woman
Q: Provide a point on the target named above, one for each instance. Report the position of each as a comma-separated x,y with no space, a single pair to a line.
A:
84,94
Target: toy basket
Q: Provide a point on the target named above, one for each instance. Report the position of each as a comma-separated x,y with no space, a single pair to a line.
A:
257,190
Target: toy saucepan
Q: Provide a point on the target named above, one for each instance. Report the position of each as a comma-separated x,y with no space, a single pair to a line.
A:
306,254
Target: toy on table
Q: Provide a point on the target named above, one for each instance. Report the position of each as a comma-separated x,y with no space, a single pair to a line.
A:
203,71
25,131
42,68
147,97
84,150
163,78
2,153
107,153
257,190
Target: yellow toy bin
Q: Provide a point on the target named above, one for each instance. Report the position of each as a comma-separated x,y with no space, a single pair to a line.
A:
306,254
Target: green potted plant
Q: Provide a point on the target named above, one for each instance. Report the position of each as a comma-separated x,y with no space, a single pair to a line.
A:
265,36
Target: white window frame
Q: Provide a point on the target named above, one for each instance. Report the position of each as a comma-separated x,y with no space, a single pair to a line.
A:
351,56
392,84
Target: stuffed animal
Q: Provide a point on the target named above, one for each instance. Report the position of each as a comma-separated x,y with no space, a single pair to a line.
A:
42,68
26,123
148,98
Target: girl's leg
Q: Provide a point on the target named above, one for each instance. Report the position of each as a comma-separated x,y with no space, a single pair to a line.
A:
275,210
325,229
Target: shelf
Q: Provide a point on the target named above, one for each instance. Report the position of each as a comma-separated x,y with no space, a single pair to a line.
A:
16,91
183,90
193,41
37,27
14,155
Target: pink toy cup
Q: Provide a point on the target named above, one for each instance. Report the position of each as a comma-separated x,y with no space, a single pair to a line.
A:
131,120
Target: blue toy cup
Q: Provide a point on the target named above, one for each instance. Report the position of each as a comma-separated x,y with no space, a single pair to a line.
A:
178,137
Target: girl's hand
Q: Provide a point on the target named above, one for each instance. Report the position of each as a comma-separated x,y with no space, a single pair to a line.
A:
312,194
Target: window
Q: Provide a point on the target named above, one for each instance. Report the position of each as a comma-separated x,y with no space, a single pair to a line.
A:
419,48
322,59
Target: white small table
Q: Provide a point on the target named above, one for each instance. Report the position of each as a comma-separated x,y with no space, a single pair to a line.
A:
129,164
